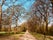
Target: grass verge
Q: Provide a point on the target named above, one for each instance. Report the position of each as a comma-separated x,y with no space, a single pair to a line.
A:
41,36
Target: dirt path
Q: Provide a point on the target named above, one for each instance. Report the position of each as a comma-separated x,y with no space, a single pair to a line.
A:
27,36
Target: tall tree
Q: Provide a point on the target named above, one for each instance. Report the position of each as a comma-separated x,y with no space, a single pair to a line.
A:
42,9
0,17
2,2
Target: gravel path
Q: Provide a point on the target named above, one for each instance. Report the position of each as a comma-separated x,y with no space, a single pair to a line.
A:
27,36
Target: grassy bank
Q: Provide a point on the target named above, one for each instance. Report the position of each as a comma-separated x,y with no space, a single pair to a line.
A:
41,36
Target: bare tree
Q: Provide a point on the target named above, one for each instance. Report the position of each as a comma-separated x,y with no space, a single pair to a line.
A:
2,2
0,17
43,9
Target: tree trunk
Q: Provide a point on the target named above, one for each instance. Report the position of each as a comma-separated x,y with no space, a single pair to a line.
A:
46,27
0,17
46,23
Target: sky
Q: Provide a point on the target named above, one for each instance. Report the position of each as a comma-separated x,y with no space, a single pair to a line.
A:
25,4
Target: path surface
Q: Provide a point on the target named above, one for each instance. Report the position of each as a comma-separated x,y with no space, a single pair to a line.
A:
27,36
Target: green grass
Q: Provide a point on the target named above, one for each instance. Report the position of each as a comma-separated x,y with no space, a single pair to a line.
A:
41,36
10,33
20,32
3,33
14,36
